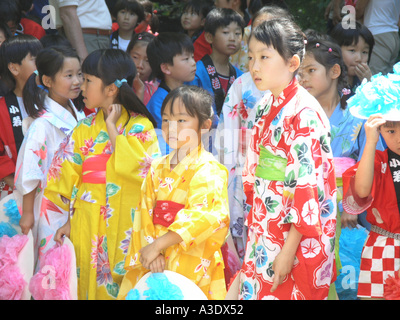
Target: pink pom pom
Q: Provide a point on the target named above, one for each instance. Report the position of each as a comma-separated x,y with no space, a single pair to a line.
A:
51,282
12,283
342,164
391,289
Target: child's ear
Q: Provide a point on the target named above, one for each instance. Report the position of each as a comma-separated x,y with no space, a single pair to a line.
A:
294,63
13,68
111,90
206,125
335,71
165,68
46,81
209,37
203,21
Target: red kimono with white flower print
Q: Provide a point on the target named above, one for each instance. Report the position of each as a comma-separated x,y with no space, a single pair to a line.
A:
294,127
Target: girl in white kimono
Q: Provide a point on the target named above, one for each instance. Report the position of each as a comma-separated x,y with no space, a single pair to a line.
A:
54,117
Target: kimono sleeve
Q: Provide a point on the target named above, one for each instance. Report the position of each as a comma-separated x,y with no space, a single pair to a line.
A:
206,213
143,231
351,202
310,186
134,152
31,166
227,141
65,173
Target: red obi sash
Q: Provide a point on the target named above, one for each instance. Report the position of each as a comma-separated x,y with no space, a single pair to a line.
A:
165,212
94,169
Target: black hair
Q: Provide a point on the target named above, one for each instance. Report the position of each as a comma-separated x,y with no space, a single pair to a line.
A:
221,18
146,37
131,6
114,64
197,101
10,11
49,62
201,8
328,53
163,49
273,11
351,36
284,35
50,40
148,8
25,5
14,50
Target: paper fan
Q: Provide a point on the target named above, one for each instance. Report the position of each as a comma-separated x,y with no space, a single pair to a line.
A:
9,216
380,95
168,285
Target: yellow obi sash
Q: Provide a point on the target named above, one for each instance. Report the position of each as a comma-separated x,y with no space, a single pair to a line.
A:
270,167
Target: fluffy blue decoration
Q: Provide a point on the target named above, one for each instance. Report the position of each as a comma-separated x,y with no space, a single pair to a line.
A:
11,211
380,95
351,243
6,229
160,288
133,294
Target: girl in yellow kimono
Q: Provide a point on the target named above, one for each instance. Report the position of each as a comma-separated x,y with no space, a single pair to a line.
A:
101,168
183,217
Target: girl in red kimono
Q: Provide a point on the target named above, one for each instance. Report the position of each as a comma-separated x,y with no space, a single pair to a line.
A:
288,177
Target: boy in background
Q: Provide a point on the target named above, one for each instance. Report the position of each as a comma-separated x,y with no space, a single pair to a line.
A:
170,55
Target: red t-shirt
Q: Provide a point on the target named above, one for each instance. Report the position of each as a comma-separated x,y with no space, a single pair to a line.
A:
31,27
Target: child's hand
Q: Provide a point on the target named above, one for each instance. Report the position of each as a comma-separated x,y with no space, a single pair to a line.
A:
148,254
63,231
26,222
114,112
138,86
348,220
372,128
363,71
158,264
281,266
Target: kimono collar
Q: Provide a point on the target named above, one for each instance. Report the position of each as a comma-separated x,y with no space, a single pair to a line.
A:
60,117
189,159
293,85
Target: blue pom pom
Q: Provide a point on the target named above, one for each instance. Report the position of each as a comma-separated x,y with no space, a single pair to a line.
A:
379,95
133,294
7,230
160,288
11,211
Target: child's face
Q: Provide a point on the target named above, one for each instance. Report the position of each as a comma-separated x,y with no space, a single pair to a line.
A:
314,77
191,21
92,91
223,4
66,83
139,57
127,20
268,68
179,128
183,68
354,55
26,68
226,39
391,135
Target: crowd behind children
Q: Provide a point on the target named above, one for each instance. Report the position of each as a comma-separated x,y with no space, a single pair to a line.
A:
232,153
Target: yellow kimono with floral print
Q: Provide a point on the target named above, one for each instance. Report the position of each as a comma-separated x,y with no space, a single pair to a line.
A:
199,183
104,185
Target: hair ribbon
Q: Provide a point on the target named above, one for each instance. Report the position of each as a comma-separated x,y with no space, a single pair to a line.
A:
119,83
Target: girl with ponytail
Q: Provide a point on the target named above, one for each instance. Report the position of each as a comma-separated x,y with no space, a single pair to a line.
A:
101,167
54,117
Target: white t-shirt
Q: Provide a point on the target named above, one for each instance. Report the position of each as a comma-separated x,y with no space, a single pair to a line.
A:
122,43
91,13
382,16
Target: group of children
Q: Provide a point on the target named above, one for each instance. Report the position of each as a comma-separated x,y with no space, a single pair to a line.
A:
149,159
